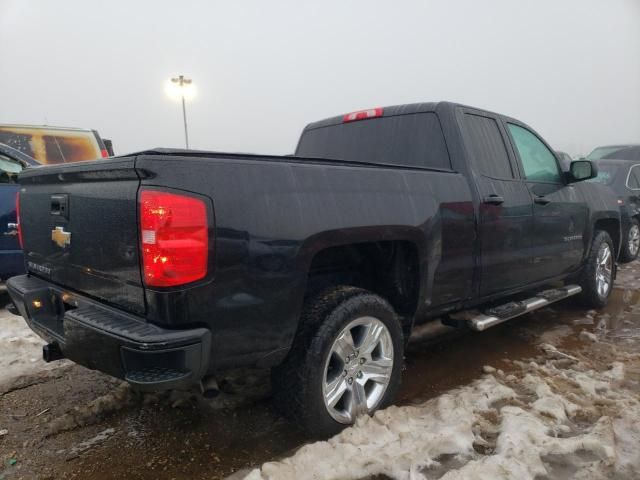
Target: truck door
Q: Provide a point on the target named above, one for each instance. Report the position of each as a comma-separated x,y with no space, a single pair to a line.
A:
10,253
560,210
505,210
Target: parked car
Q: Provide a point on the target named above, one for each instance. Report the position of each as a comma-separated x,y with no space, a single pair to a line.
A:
12,162
628,153
50,145
606,150
623,177
167,267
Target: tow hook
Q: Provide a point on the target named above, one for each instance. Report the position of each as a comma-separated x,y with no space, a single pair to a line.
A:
51,352
209,387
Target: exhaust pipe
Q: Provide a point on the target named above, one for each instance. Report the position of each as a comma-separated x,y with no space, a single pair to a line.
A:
51,352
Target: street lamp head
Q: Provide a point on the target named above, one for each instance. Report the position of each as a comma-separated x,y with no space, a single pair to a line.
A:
180,87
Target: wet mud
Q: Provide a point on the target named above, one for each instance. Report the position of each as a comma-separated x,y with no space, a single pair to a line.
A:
75,423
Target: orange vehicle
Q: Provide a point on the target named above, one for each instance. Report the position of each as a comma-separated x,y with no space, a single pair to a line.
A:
52,145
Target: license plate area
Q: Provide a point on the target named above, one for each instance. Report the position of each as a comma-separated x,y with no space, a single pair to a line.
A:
47,307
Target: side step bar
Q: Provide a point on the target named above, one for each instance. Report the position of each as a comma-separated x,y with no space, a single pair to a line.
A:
479,321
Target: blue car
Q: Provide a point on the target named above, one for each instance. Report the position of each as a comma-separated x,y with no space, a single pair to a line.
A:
12,162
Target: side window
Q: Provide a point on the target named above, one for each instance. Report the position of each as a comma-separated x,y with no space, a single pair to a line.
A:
633,181
19,141
538,161
9,170
70,148
487,146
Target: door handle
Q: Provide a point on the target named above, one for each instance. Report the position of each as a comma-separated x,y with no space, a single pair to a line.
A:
493,199
12,230
541,200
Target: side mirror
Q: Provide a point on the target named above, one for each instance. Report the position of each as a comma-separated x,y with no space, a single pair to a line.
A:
580,170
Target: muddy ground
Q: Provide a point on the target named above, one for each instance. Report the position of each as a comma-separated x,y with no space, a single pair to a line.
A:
71,422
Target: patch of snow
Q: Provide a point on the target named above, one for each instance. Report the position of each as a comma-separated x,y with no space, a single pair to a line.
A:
517,427
586,335
92,442
20,348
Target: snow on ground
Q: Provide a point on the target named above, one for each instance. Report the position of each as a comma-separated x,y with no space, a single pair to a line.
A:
20,348
556,417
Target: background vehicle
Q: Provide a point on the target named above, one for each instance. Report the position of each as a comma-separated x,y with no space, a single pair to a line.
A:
623,177
49,145
628,153
166,266
12,162
606,150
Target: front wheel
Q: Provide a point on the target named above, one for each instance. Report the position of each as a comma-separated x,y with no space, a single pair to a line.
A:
598,273
346,361
631,245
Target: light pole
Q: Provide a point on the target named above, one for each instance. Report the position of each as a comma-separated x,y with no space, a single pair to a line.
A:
182,82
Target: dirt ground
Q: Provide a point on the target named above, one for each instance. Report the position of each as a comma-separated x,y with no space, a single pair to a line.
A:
70,422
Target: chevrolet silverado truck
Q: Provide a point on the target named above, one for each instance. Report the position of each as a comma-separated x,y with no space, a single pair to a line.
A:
167,267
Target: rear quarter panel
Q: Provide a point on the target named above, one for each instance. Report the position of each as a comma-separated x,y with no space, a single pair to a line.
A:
272,217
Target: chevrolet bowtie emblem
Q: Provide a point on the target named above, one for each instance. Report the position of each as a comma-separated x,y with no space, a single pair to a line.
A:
60,237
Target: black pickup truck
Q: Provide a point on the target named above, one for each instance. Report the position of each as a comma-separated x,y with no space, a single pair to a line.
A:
166,267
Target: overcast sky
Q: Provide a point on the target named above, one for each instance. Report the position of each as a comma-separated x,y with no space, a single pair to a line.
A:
263,69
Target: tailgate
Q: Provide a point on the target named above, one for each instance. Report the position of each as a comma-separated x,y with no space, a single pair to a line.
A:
80,229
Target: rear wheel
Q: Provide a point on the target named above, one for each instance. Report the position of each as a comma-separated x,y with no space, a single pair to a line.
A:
346,361
631,245
597,275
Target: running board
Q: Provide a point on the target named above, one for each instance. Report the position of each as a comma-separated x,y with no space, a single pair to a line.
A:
479,321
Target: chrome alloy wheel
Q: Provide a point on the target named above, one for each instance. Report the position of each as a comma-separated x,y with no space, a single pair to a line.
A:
358,369
604,269
633,240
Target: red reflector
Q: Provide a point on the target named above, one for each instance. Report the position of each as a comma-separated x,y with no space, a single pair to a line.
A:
18,221
362,115
104,153
174,236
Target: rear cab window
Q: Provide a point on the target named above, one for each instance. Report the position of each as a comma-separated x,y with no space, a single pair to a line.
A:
487,148
411,140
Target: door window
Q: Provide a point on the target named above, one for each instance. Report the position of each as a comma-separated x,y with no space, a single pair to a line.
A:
633,180
9,170
487,147
538,161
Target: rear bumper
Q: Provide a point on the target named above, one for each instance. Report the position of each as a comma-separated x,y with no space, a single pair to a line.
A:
110,340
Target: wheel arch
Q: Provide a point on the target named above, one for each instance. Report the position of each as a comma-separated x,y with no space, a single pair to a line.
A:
612,227
385,260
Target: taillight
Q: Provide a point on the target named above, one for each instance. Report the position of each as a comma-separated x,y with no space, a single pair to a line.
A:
104,153
174,235
18,221
362,115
